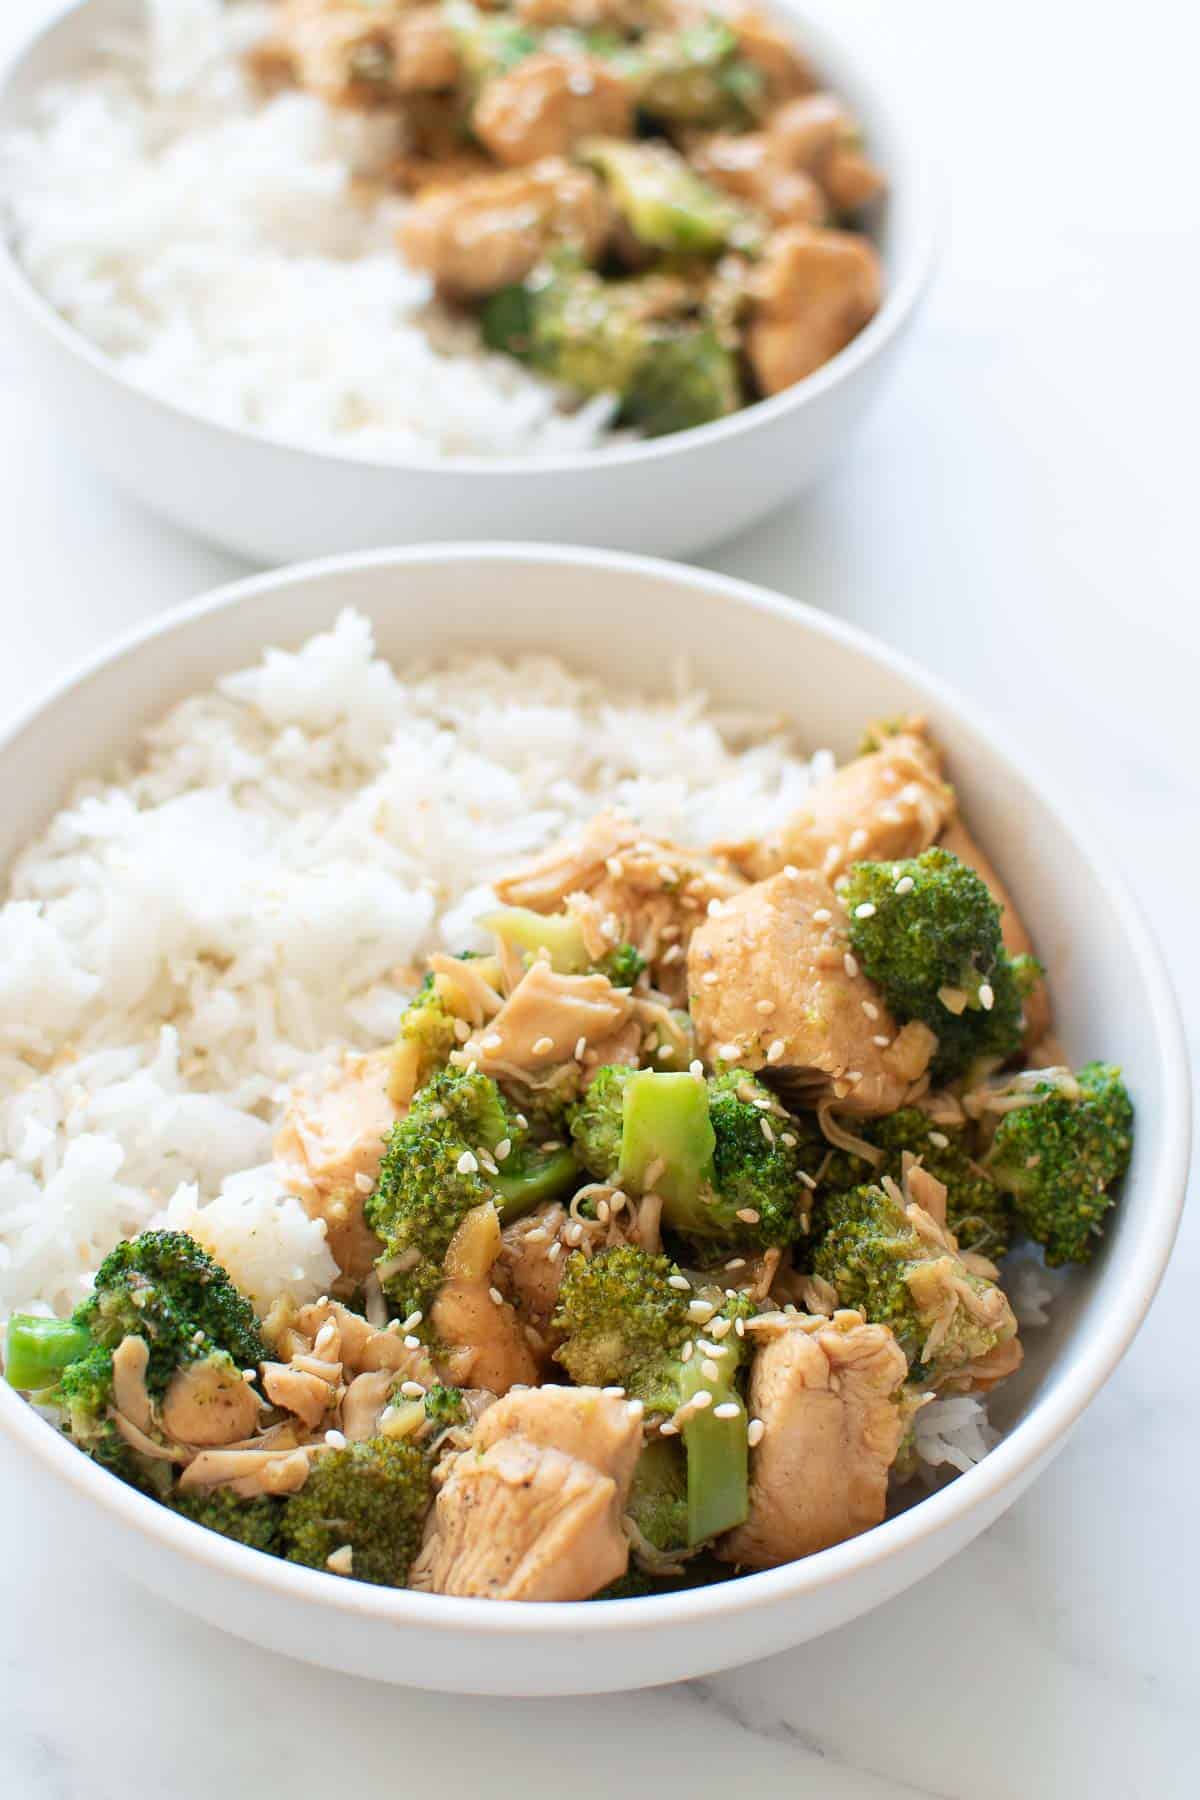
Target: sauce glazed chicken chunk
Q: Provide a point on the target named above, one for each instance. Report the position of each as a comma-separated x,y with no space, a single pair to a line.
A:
669,1235
659,204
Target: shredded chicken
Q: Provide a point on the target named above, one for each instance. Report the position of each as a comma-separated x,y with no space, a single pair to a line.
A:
329,1149
490,231
486,1345
527,1270
773,986
129,1363
533,1510
545,1019
826,1391
207,1403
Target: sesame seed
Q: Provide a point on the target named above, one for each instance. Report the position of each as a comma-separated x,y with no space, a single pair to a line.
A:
549,1144
850,965
710,978
542,1046
249,1374
765,1007
806,1179
615,867
503,1149
728,1052
709,1369
604,1210
363,1182
821,915
696,1069
736,1262
673,953
636,1408
791,871
614,1393
336,1440
832,858
468,1163
788,1139
522,1121
857,841
700,1399
701,1310
904,885
865,911
739,1325
341,1561
667,1429
882,1040
554,1252
412,1321
412,1390
681,1282
747,1215
714,909
412,1343
685,1355
462,1030
666,874
719,1327
493,1041
665,1052
870,1008
538,1235
580,1047
754,1432
776,1050
728,1409
495,1296
939,1140
987,996
764,1125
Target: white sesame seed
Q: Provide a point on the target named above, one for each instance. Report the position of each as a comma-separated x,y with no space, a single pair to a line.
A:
870,1008
681,1282
882,1040
615,867
468,1163
336,1440
341,1561
696,1069
821,915
736,1262
522,1121
939,1140
831,859
462,1030
728,1409
412,1321
776,1050
701,1310
672,954
542,1046
667,1429
614,1393
728,1052
739,1325
747,1215
987,996
754,1432
700,1399
636,1408
412,1390
788,1139
806,1179
714,909
865,911
493,1041
850,965
604,1210
538,1235
904,885
710,978
791,871
709,1369
554,1252
495,1296
363,1182
666,874
665,1052
686,1354
857,841
249,1374
503,1150
412,1343
719,1327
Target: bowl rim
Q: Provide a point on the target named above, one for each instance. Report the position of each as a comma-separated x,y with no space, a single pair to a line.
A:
924,200
1029,1443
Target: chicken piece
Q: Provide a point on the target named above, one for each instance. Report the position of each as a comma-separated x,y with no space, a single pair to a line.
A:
957,839
525,1268
625,888
773,985
248,1472
891,802
547,104
208,1403
490,232
533,1510
622,16
545,1020
425,56
341,50
745,164
130,1397
486,1346
827,1392
784,68
329,1148
818,135
812,294
307,1392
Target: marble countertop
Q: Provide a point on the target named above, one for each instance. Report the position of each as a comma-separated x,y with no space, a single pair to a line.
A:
1020,515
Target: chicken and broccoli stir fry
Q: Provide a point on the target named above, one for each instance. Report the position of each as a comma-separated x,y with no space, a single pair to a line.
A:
658,1225
659,202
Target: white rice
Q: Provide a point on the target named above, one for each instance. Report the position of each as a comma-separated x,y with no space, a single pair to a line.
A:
208,241
195,931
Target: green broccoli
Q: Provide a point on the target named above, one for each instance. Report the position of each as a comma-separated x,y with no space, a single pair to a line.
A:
695,77
445,1406
426,1035
489,43
160,1287
928,932
658,1495
1059,1154
255,1522
561,935
721,1153
644,339
625,1318
622,965
459,1145
942,1316
665,204
371,1499
977,1212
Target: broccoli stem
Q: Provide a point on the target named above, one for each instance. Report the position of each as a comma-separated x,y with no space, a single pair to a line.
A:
542,1178
718,1483
38,1350
667,1141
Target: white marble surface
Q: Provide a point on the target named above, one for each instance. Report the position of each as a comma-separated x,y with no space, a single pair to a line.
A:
1020,515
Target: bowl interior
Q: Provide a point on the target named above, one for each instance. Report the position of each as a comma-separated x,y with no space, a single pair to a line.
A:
757,652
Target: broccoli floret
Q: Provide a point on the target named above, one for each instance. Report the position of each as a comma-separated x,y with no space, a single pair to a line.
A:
658,1495
622,965
666,205
255,1522
489,43
425,1038
371,1498
722,1155
438,1166
164,1288
977,1212
880,1264
560,934
1060,1154
624,1317
638,338
445,1406
695,77
928,932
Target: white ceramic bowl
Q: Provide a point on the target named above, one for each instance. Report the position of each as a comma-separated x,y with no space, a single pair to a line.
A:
274,500
751,649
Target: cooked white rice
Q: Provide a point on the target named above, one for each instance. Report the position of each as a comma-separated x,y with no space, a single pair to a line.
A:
209,242
253,892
